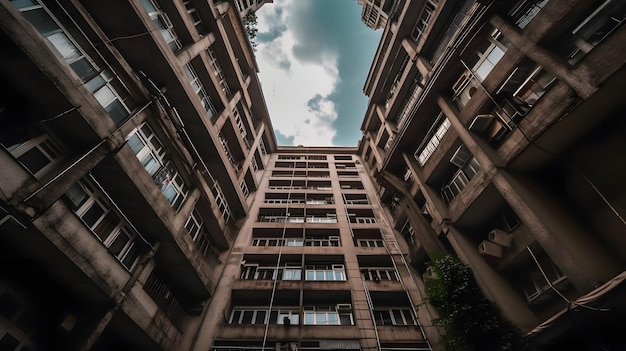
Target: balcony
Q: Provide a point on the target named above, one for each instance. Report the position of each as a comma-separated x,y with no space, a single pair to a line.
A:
459,180
162,295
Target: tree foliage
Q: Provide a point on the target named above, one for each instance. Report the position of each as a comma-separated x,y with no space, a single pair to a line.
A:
471,321
250,25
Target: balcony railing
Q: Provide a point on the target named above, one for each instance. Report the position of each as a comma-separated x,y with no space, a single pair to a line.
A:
162,295
526,11
459,180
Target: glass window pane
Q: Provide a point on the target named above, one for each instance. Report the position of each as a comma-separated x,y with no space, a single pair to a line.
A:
93,214
85,70
135,143
76,195
106,225
309,318
131,256
169,192
118,245
23,3
66,48
116,111
42,21
104,95
34,160
147,4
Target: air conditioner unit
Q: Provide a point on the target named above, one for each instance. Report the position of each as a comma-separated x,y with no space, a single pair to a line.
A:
344,307
481,123
489,248
500,237
461,156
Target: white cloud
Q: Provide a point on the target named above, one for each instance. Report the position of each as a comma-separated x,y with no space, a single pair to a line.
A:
289,85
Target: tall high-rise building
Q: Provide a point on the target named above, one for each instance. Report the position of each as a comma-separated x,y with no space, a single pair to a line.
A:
494,130
316,266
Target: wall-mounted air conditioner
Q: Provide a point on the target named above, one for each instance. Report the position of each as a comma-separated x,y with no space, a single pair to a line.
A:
489,248
461,156
500,237
344,307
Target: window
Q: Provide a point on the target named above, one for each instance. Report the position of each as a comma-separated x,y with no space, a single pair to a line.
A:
218,71
323,272
106,88
195,16
197,86
393,316
148,148
378,274
460,179
289,271
105,223
322,241
407,231
370,243
260,315
424,19
488,55
277,242
162,24
197,231
220,200
151,153
326,315
248,315
37,155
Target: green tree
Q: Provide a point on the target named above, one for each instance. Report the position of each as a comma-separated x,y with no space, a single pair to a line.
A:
472,322
250,25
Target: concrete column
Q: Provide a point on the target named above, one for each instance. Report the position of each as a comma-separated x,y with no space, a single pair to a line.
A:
484,154
188,53
528,45
576,252
424,233
40,199
495,288
143,268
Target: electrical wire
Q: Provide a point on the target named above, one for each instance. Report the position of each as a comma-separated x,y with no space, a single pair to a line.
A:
280,252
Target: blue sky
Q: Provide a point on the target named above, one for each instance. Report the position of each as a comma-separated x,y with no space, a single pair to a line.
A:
314,56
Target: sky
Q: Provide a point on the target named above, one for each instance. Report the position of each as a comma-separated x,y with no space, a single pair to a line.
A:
313,57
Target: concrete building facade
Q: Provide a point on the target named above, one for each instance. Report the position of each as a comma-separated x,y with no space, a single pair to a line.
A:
134,138
492,130
376,13
145,204
316,266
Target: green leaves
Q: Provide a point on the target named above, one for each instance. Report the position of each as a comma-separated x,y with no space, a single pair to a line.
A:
471,321
250,25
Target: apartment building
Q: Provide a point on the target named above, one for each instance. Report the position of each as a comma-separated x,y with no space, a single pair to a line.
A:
375,13
316,266
134,138
494,131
